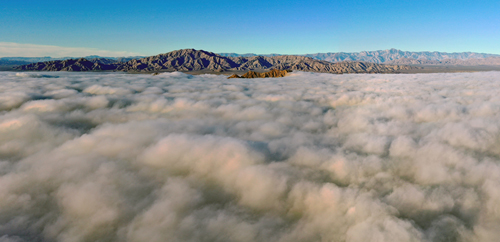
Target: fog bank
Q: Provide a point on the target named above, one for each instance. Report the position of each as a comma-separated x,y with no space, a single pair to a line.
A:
308,157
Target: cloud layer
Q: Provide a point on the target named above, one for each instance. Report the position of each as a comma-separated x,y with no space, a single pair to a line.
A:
308,157
8,49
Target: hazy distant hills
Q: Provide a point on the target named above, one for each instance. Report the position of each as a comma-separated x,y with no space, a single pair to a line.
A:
383,56
24,60
15,61
199,60
82,64
493,60
390,56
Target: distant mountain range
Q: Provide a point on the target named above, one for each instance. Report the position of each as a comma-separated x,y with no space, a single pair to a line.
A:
488,61
383,56
200,60
82,64
387,56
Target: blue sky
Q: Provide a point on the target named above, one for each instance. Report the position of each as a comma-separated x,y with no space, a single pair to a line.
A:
285,27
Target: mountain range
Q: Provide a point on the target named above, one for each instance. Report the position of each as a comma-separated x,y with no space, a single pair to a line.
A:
383,56
190,60
387,56
199,60
378,56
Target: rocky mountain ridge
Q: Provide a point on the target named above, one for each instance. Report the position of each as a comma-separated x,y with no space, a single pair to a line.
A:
200,60
196,60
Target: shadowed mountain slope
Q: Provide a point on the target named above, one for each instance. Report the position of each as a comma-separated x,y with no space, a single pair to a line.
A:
181,60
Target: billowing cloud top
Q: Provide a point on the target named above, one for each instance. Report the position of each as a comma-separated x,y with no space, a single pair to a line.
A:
308,157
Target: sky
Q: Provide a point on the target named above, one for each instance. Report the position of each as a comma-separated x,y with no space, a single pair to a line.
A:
127,28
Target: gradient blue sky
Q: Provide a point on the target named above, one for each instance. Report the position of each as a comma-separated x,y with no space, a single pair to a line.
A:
285,27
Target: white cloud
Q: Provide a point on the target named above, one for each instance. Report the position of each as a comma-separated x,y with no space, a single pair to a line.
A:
308,157
8,49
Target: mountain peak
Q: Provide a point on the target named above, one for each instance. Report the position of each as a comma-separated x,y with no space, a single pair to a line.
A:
190,52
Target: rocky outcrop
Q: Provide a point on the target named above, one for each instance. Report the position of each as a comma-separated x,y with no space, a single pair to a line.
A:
82,64
253,74
199,60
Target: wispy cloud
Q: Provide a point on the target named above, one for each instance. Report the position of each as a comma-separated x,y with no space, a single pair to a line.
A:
9,49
